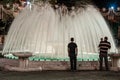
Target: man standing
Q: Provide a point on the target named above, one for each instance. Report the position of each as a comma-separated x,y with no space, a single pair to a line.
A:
72,53
104,46
1,10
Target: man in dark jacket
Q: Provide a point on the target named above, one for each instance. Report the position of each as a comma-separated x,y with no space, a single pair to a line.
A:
104,46
72,53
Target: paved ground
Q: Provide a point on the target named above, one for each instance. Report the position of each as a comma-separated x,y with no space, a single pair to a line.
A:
60,75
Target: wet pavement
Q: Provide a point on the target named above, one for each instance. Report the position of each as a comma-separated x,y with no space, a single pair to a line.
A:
60,75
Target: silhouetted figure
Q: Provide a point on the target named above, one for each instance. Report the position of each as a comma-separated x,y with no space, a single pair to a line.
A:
72,53
101,40
104,46
1,42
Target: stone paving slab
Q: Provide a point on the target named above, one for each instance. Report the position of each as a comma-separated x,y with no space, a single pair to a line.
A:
60,75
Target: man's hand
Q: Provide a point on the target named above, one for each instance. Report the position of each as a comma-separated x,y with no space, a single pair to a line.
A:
76,54
68,54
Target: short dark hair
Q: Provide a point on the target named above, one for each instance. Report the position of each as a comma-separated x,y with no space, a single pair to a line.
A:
101,39
106,38
72,39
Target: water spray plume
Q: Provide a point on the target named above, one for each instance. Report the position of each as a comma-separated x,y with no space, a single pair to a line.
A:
45,31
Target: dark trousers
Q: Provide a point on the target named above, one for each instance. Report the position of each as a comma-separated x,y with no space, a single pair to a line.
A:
73,63
105,57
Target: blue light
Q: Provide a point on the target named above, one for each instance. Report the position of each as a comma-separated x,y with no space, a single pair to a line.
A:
112,7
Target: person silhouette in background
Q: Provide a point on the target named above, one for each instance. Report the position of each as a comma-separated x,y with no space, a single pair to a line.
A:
72,53
101,40
103,47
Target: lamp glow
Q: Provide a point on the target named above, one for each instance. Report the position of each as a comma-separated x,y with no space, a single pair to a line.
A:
112,7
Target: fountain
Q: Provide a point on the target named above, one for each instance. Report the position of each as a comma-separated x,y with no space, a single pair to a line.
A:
45,32
115,58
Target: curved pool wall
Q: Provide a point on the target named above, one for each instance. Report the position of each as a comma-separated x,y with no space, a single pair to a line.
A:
94,57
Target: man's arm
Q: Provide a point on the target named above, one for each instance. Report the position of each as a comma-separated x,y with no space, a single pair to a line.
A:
68,51
109,45
76,51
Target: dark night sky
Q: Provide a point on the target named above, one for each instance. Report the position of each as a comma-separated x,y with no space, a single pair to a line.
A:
99,3
107,3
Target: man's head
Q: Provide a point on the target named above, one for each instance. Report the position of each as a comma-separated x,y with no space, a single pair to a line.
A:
105,38
72,39
101,39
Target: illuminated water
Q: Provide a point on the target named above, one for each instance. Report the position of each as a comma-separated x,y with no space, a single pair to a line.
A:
46,32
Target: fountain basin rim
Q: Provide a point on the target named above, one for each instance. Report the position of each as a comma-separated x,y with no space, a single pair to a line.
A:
114,55
22,54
